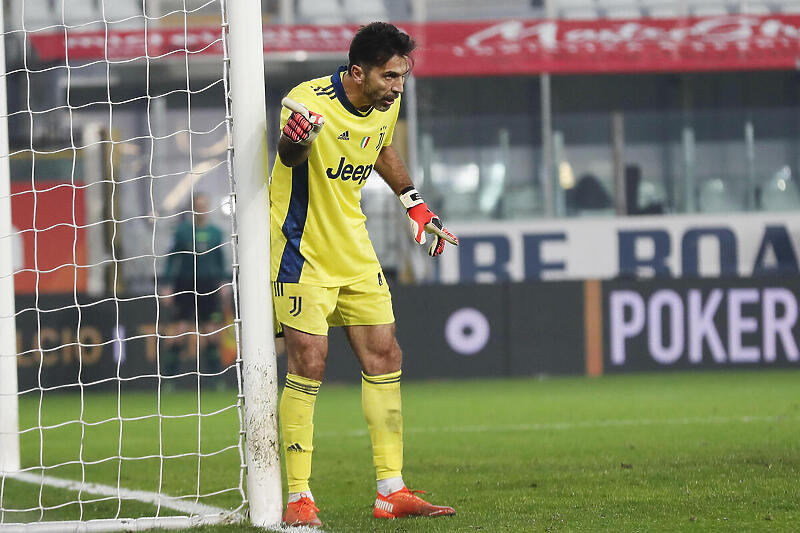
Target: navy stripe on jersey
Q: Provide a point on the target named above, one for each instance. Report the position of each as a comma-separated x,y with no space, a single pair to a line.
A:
328,91
336,80
292,260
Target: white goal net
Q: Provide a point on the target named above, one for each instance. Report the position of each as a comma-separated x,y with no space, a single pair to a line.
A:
122,403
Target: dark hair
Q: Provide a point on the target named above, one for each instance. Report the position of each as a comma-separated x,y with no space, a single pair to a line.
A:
376,43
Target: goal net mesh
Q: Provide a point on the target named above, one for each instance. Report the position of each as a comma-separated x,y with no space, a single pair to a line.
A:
124,265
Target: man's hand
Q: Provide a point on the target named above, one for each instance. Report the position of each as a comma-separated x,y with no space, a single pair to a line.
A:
166,293
423,220
303,125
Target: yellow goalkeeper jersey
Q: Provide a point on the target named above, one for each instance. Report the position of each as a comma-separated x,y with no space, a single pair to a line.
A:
317,227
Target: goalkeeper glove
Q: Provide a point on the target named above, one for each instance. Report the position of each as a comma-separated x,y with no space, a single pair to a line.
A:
423,220
303,125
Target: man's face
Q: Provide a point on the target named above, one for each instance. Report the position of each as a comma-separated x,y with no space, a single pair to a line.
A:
384,83
200,209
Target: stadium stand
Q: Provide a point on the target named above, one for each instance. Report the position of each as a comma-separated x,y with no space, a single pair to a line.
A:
480,9
320,11
364,10
621,9
122,11
716,197
78,12
780,192
707,8
659,8
38,14
577,9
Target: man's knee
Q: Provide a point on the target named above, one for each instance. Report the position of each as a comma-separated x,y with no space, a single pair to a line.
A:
307,354
383,357
393,352
311,368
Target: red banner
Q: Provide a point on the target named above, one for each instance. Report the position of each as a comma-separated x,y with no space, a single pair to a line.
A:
52,241
641,45
740,42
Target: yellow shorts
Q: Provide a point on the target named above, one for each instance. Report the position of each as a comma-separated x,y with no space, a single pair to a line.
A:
314,309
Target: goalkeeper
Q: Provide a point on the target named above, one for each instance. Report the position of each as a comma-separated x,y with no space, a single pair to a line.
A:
335,131
193,281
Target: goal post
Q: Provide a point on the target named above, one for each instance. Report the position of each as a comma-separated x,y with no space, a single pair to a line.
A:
9,424
108,428
259,369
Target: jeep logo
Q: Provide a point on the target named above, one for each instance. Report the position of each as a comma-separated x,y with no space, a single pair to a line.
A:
346,171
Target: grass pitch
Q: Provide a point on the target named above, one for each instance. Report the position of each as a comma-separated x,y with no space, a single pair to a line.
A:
703,451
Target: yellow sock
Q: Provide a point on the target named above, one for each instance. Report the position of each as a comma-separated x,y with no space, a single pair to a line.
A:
297,429
380,400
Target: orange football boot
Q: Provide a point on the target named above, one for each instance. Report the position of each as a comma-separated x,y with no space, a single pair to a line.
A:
404,502
303,512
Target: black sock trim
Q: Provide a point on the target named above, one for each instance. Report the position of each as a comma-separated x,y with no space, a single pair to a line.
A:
379,380
301,387
298,389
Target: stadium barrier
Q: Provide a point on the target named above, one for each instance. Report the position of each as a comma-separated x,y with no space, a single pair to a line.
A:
478,330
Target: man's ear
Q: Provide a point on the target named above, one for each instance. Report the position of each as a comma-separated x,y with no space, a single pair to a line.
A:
357,73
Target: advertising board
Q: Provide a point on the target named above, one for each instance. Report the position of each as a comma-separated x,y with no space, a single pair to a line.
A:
675,246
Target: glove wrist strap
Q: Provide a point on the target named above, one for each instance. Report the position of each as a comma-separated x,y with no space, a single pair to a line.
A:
409,197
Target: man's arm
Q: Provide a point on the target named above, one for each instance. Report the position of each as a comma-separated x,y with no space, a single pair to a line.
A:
393,171
300,130
291,153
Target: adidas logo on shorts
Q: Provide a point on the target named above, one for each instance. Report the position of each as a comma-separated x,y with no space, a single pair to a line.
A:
344,136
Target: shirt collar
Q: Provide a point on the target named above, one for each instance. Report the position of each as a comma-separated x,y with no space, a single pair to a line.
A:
338,87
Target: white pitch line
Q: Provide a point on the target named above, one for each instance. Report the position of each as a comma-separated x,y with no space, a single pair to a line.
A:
298,529
193,510
556,426
170,502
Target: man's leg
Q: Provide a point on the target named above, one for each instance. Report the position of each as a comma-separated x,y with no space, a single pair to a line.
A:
174,349
307,354
209,316
211,353
180,343
381,360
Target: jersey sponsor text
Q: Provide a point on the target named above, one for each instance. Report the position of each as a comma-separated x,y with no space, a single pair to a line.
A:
347,171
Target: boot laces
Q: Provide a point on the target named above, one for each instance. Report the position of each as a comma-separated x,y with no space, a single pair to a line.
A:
307,502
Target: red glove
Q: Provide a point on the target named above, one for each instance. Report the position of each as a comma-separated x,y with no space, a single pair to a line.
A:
423,220
303,125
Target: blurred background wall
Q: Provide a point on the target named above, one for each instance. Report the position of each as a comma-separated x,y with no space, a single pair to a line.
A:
562,140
